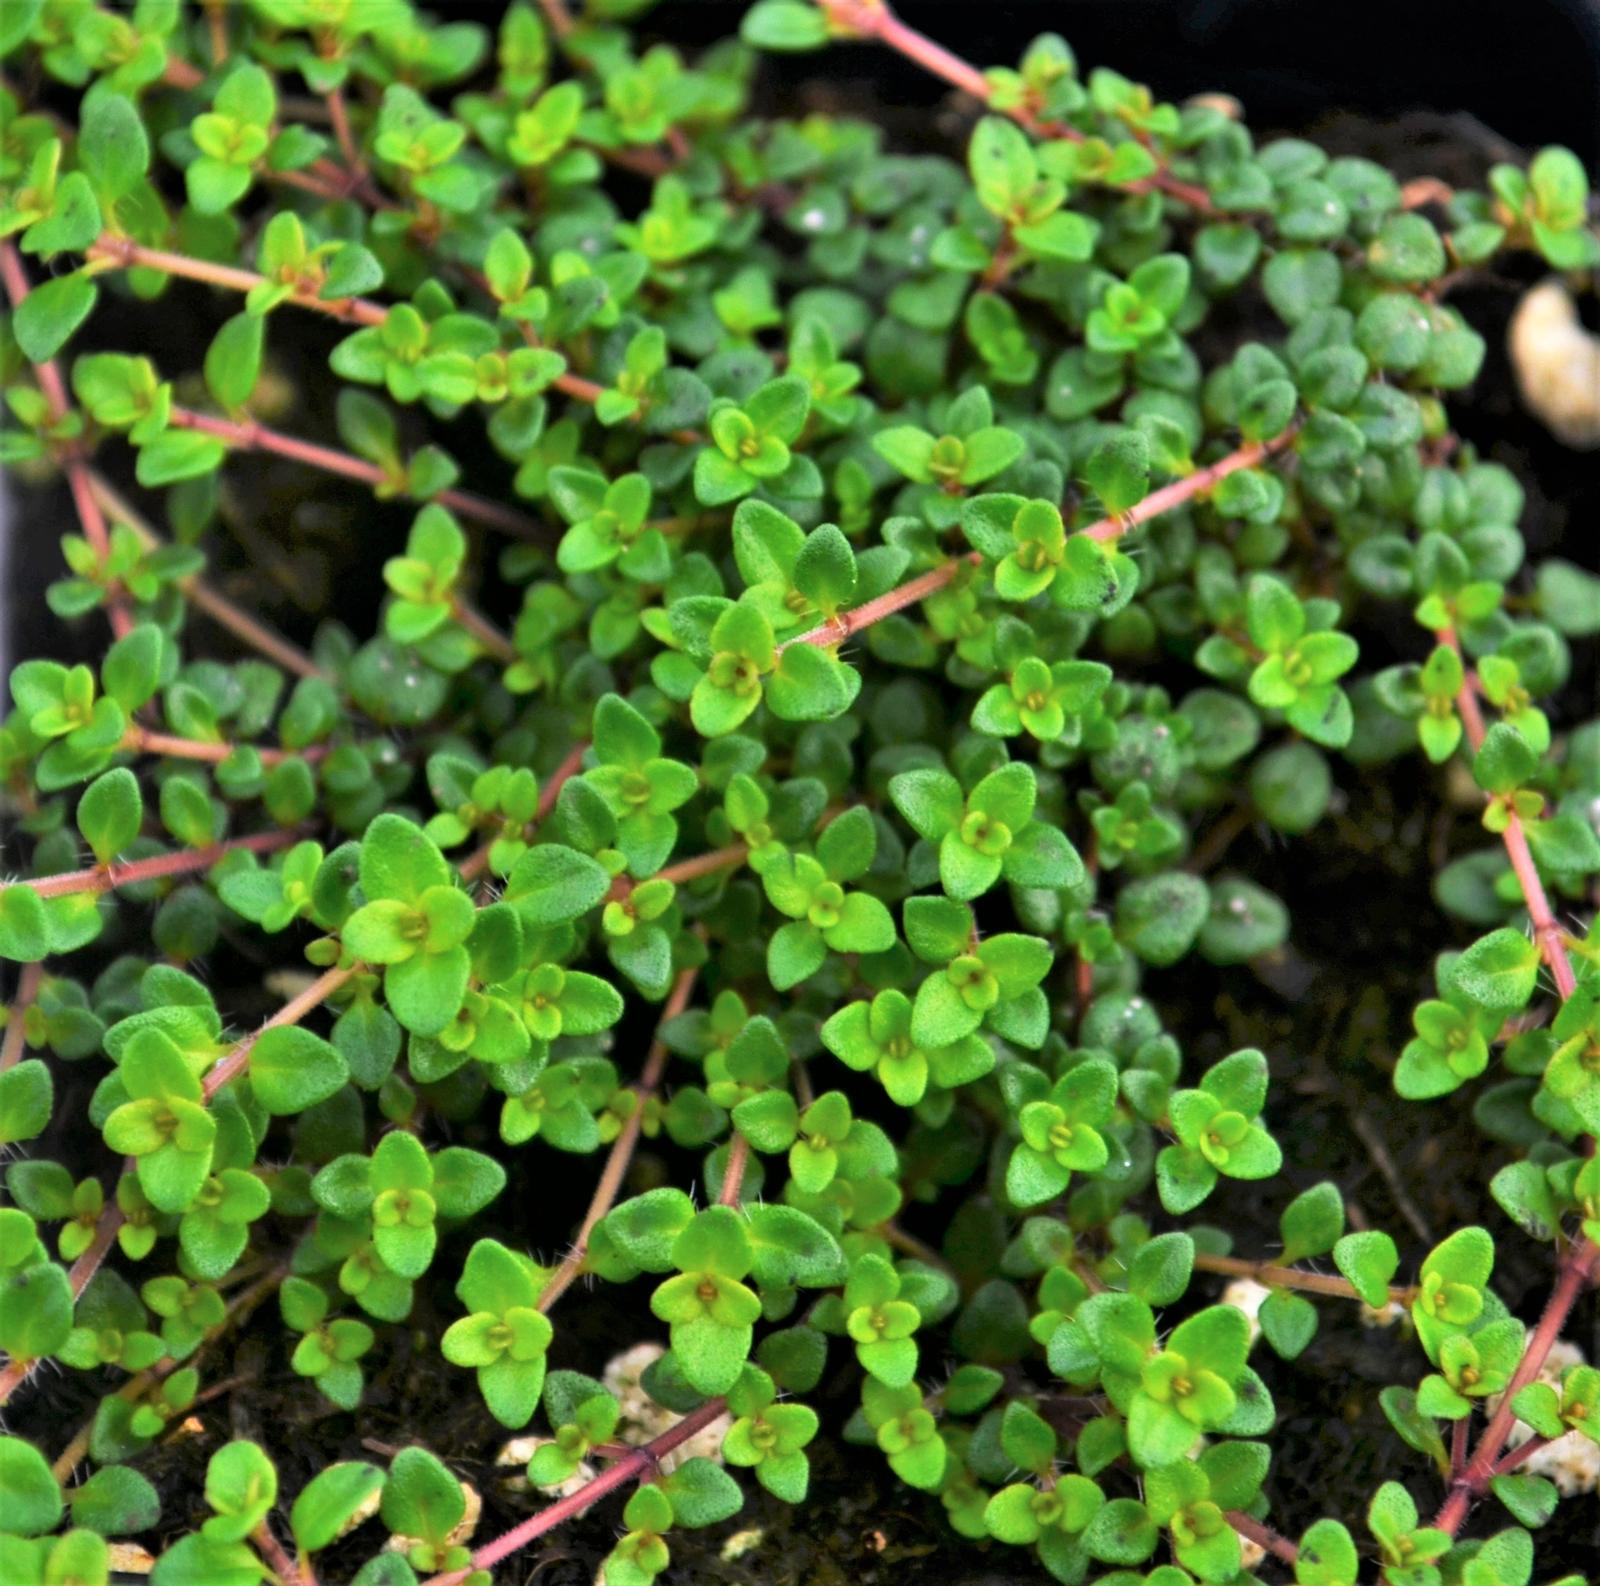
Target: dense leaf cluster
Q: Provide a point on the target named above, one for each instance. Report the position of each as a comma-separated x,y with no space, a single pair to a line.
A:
920,568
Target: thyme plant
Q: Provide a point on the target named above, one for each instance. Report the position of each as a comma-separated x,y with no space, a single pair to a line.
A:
914,564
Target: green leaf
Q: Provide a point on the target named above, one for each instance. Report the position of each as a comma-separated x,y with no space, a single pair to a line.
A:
1369,1260
175,455
33,1496
1118,471
51,313
784,25
1499,970
326,1503
1161,1267
1327,1556
420,1496
233,360
24,925
110,813
292,1070
27,1097
702,1493
115,1501
1161,916
1311,1223
552,884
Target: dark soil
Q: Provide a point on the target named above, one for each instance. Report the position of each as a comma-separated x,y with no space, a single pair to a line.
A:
1331,1011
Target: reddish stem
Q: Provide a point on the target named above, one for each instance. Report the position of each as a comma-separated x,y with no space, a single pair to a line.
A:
125,254
248,435
687,869
1580,1256
16,1372
204,598
1281,1277
1263,1536
1460,1430
557,15
1574,1276
622,1148
484,631
1545,928
733,1173
107,878
28,983
142,741
55,394
1157,502
1522,1452
291,1012
886,604
870,19
340,118
639,1462
278,1561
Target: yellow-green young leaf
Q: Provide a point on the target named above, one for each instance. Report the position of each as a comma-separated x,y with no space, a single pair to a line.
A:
291,1069
233,360
110,813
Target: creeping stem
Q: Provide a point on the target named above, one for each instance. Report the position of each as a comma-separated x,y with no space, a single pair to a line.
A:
622,1148
107,878
1581,1257
54,388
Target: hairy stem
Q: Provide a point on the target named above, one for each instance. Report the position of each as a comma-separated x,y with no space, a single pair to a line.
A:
107,878
733,1173
488,636
122,253
277,1557
1575,1270
1168,497
239,1309
11,1045
1280,1277
639,1462
1263,1536
909,593
1581,1256
688,869
1520,1454
291,1012
1546,931
16,1372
